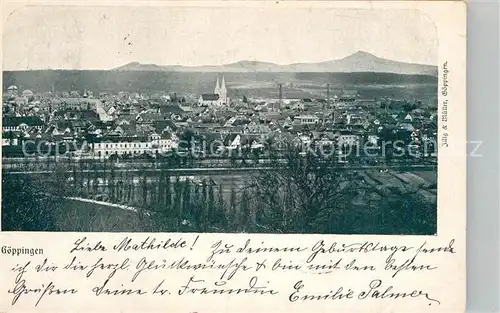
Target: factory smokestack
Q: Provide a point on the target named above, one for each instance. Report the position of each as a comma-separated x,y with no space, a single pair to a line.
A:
328,93
281,97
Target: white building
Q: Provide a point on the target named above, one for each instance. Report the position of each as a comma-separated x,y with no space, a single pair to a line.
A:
209,99
347,138
304,139
306,119
12,141
12,91
372,139
298,106
17,123
136,146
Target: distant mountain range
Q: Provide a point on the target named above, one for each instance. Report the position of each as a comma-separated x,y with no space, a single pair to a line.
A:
357,62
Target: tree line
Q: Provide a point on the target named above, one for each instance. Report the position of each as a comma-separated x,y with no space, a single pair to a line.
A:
303,195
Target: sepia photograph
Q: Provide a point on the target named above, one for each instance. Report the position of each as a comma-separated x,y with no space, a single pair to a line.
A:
232,119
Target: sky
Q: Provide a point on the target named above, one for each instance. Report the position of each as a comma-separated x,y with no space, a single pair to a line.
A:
108,37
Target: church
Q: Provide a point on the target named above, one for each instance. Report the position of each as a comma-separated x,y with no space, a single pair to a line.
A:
217,98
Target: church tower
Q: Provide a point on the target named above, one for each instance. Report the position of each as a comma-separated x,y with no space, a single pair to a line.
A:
217,88
223,91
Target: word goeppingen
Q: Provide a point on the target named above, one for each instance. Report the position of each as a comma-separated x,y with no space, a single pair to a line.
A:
8,250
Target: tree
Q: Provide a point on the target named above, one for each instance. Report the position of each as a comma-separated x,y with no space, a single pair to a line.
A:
408,213
34,204
302,193
220,209
166,217
187,139
87,167
186,201
161,188
178,201
211,204
174,98
168,194
232,209
144,185
197,208
80,168
244,212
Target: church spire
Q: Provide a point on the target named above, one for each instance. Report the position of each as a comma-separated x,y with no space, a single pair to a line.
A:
223,91
217,88
223,86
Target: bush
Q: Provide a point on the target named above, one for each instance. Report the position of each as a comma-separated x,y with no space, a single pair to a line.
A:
26,208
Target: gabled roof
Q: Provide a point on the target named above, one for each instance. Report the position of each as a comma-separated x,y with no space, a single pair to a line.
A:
148,117
18,120
271,116
346,132
249,139
259,128
89,115
298,128
125,119
64,124
230,138
74,101
170,109
406,126
166,135
210,97
161,125
79,123
233,129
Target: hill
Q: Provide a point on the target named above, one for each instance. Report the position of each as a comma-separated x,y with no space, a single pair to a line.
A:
253,84
355,63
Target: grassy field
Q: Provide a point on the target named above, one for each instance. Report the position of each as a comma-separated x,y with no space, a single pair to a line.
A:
91,217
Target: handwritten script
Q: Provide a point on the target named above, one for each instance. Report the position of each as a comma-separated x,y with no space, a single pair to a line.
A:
176,266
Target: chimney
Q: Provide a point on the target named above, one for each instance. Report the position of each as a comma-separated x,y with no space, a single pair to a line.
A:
281,97
328,93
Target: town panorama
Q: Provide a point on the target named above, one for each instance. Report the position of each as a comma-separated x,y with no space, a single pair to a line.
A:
344,153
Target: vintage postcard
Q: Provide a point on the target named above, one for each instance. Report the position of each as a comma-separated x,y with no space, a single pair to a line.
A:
233,156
